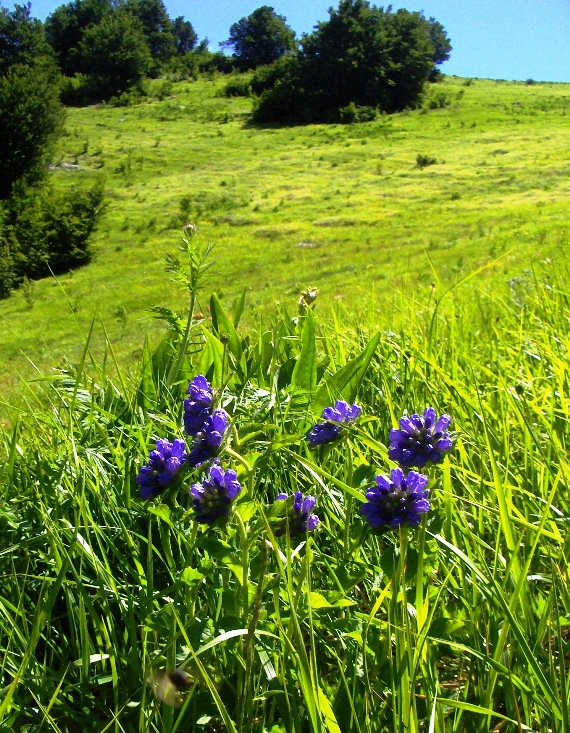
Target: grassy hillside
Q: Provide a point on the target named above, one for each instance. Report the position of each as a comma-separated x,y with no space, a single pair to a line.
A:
457,623
343,208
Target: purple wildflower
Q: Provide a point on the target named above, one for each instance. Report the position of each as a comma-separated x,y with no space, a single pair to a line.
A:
420,439
337,417
300,519
396,500
209,439
213,497
197,407
163,465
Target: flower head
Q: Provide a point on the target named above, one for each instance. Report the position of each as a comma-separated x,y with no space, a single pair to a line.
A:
397,500
420,439
300,519
213,497
197,407
163,465
342,414
209,438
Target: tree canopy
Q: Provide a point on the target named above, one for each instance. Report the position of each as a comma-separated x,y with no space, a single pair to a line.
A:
64,28
115,54
31,115
40,230
85,33
157,27
362,55
260,38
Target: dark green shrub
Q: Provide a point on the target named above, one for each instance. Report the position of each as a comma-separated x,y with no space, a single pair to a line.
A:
46,231
422,161
238,86
7,267
354,113
31,118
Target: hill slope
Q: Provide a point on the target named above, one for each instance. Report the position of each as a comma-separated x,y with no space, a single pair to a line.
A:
343,208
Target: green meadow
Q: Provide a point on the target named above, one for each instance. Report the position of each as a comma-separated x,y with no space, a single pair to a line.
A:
437,241
344,208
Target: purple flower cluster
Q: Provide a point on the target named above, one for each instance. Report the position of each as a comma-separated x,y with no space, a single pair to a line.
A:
397,500
213,497
401,499
163,465
207,427
300,519
337,417
197,407
420,439
209,438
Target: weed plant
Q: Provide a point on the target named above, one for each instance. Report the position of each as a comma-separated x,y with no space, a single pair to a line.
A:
120,614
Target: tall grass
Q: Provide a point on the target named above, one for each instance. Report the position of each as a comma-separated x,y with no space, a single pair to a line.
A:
460,625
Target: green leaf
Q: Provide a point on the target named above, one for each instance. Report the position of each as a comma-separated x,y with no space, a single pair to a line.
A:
238,308
224,327
327,713
163,512
318,601
305,372
345,383
211,361
146,394
191,576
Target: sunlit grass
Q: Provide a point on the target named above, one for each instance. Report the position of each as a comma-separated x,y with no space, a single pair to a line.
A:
343,208
461,625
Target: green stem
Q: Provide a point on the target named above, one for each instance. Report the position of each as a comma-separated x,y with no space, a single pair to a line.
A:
244,542
349,505
183,347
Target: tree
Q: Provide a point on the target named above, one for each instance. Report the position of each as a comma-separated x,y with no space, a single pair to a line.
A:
115,54
31,115
156,26
441,46
21,38
39,227
64,29
260,38
361,56
184,35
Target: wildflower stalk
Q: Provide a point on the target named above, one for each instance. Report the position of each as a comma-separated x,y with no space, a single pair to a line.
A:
198,265
405,715
248,469
192,592
243,674
244,545
349,504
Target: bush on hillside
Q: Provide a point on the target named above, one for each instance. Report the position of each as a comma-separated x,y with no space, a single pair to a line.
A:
363,55
44,231
238,86
353,113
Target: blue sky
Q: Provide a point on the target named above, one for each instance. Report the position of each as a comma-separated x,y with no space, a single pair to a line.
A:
497,39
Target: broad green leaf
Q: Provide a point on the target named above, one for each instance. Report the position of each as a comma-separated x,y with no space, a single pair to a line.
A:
146,395
305,372
327,713
345,383
224,327
191,576
162,511
211,361
238,308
